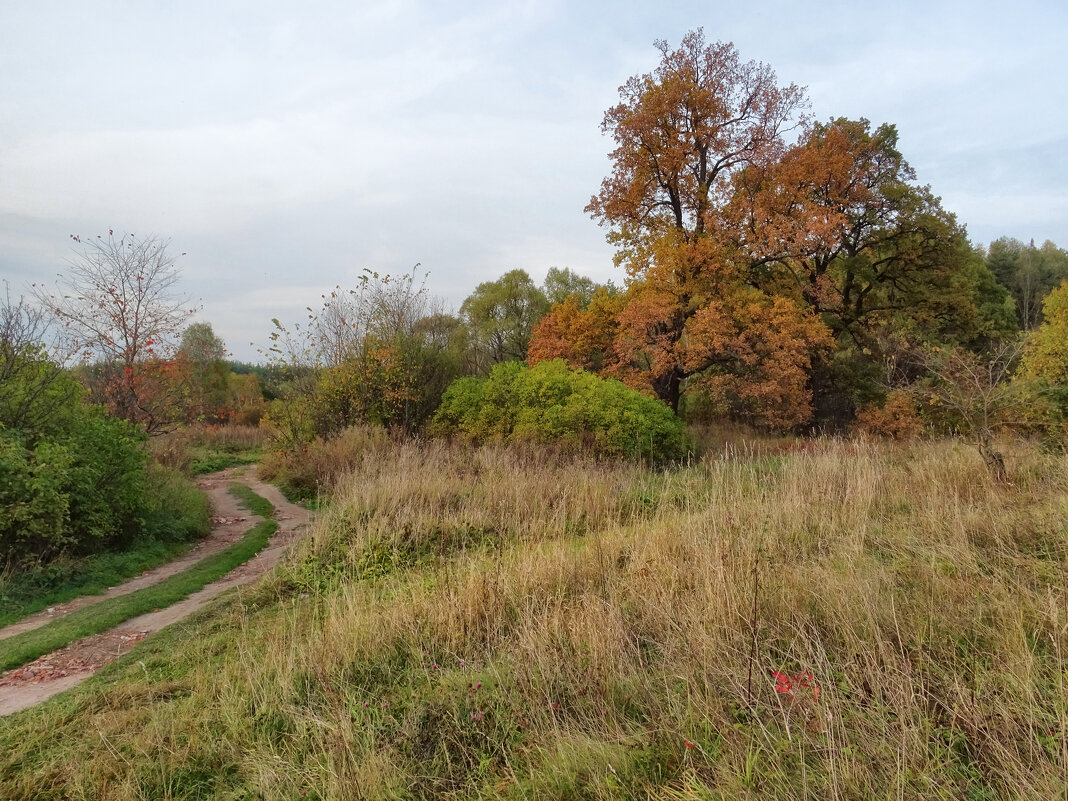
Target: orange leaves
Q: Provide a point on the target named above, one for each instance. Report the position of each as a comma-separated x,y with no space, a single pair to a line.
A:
760,351
683,130
582,337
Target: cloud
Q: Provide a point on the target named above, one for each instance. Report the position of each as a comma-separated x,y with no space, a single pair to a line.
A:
285,149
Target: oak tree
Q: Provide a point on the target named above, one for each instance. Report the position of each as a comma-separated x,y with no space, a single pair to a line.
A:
840,222
683,133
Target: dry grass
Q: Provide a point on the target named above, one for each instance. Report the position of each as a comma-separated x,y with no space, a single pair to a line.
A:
207,448
484,624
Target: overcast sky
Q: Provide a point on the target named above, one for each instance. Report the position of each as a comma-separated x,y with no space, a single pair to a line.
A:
285,147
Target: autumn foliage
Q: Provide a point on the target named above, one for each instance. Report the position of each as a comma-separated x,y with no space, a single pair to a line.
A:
751,258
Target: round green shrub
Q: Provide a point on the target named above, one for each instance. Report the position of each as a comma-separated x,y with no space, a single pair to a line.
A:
551,403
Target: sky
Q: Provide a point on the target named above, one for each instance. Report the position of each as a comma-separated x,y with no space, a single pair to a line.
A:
284,147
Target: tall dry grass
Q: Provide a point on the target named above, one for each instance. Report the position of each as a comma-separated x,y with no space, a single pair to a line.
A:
483,623
205,448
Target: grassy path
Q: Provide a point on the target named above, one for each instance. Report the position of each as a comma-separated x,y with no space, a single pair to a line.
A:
229,523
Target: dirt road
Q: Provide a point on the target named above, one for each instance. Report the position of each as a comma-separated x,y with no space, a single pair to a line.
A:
53,673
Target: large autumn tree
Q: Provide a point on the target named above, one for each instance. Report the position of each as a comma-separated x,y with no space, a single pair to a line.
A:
750,259
683,133
840,221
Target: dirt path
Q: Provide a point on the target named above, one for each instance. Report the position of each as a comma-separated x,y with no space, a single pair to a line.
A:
53,673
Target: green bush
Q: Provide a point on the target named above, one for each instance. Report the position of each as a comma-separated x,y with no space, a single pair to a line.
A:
34,510
74,481
551,403
176,511
76,491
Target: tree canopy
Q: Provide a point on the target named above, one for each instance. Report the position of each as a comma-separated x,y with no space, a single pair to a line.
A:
501,316
762,271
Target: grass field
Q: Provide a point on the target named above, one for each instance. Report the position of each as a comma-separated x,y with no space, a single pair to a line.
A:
832,620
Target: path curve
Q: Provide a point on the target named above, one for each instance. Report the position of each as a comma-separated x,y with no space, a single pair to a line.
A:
60,670
229,522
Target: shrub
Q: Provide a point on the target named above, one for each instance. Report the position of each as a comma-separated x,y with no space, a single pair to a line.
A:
304,472
176,511
73,481
895,419
551,403
76,492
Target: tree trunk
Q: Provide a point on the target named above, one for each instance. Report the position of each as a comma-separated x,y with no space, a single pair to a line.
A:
669,388
995,462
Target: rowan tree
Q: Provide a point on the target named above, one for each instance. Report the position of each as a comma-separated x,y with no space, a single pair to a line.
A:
118,303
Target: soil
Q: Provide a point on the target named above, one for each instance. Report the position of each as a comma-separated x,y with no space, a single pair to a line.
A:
60,670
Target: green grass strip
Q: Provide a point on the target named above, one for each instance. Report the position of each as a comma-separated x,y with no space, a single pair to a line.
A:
22,648
23,594
253,502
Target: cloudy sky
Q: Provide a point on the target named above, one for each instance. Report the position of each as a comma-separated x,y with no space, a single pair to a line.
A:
285,147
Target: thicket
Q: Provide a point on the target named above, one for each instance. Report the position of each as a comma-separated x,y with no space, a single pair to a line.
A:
552,404
73,480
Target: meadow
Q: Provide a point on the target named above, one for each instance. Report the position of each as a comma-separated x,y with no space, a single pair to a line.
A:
818,619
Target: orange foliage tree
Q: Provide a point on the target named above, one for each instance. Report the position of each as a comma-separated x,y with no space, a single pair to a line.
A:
839,222
683,133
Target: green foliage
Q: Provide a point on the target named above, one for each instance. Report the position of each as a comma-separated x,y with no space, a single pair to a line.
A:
290,420
79,491
1029,273
501,315
35,394
34,509
73,481
202,355
551,403
1044,366
1046,355
384,384
371,355
175,511
560,284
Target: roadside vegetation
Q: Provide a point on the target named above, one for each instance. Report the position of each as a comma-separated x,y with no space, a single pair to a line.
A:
99,617
201,449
